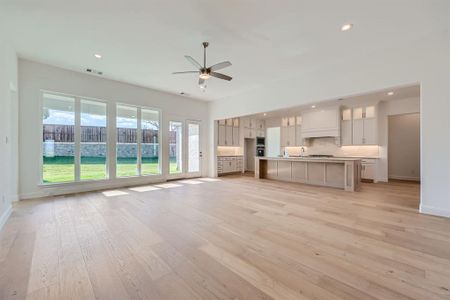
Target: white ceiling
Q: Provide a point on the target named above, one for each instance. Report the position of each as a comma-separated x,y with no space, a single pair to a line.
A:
144,41
403,92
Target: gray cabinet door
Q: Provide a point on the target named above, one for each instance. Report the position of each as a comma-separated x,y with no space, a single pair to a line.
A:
370,132
346,132
221,134
235,136
228,135
358,132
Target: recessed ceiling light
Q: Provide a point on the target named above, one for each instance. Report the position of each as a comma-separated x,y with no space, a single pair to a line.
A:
98,56
390,93
313,106
346,27
264,114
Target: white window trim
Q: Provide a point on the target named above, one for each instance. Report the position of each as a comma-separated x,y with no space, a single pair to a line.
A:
77,141
139,140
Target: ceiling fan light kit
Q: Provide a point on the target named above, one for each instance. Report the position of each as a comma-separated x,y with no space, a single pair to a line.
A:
205,73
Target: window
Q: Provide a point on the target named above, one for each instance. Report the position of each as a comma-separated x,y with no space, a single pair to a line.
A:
175,147
127,146
150,142
58,128
138,147
93,140
74,139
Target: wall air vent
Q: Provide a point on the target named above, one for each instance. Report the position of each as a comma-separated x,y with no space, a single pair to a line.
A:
94,71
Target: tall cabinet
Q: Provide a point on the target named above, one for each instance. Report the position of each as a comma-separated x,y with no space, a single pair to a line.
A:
364,126
359,126
291,132
228,132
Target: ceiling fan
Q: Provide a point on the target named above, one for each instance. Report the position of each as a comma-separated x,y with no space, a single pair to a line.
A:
205,73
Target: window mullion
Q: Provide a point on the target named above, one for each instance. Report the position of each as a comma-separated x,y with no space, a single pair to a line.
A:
138,142
77,140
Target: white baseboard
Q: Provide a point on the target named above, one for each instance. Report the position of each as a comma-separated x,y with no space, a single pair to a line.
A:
4,217
430,210
409,178
65,189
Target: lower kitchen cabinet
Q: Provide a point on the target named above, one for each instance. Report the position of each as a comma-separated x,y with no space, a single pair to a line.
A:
368,169
229,164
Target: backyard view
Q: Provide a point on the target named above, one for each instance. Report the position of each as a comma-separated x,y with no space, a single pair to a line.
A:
59,142
61,169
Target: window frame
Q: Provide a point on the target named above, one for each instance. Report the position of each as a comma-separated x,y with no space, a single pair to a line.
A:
139,140
77,139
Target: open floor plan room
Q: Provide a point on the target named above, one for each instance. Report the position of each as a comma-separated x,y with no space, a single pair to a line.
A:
197,149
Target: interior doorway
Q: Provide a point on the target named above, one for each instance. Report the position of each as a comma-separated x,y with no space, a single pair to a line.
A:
404,147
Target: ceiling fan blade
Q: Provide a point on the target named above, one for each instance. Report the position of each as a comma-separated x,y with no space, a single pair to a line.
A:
193,61
220,66
221,76
186,72
201,81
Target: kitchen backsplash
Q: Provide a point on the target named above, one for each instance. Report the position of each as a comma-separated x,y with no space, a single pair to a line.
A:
328,146
224,151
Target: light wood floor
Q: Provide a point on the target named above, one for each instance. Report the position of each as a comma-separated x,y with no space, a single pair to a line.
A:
237,238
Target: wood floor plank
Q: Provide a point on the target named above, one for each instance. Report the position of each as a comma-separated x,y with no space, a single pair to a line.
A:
232,238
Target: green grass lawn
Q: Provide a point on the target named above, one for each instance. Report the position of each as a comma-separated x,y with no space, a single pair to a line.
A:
61,168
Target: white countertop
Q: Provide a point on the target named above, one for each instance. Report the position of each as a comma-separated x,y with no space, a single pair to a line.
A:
307,158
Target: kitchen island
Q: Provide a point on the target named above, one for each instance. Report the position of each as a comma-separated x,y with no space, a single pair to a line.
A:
344,173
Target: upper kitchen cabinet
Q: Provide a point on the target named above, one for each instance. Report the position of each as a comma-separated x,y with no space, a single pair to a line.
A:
288,125
321,122
236,132
364,126
299,140
346,127
253,128
228,132
249,122
260,128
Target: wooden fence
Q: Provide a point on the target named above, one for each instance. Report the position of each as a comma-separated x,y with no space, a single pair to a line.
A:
94,134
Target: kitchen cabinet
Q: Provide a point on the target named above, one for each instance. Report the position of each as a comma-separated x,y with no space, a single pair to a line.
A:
364,126
253,128
368,169
288,132
228,132
221,135
236,132
260,124
249,122
229,164
299,140
228,135
249,133
260,128
260,132
346,127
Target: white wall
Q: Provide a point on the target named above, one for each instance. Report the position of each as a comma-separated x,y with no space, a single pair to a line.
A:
8,128
424,61
404,147
34,77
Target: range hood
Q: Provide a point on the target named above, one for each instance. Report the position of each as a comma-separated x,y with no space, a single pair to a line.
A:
321,122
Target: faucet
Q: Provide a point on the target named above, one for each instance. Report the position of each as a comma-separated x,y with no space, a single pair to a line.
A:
302,151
